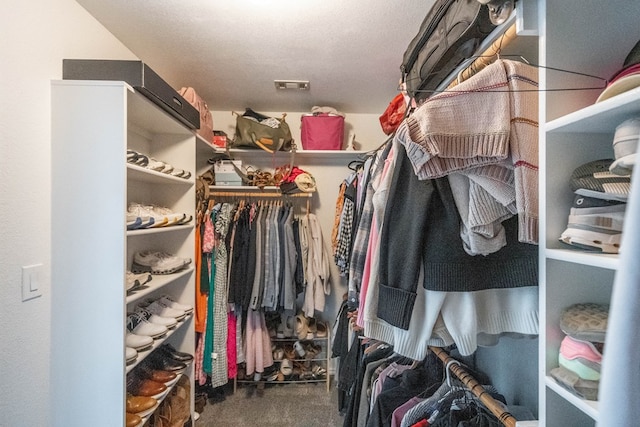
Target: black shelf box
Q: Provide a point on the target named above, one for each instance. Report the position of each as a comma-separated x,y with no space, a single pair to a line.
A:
140,77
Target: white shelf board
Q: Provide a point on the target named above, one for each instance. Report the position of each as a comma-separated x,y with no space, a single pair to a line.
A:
609,261
589,407
160,230
313,153
138,173
602,117
158,281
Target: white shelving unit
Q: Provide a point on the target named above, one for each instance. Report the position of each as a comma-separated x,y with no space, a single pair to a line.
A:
574,130
93,125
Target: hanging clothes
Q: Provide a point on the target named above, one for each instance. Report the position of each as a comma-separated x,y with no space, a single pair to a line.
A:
318,271
219,292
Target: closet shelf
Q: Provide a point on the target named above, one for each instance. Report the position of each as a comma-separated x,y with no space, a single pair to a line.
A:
608,261
329,154
157,343
160,230
140,174
602,117
589,407
157,282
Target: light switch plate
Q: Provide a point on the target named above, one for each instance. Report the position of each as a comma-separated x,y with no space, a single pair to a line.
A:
31,281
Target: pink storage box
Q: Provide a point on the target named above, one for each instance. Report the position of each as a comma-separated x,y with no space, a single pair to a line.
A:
322,131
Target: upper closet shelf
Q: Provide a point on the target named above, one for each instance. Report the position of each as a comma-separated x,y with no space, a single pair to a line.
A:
206,148
602,117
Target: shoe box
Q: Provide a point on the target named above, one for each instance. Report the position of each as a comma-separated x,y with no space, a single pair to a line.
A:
226,173
141,77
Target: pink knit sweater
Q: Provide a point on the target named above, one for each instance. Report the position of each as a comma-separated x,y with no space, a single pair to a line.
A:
485,120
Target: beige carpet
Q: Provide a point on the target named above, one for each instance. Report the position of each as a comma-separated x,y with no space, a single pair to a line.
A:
281,405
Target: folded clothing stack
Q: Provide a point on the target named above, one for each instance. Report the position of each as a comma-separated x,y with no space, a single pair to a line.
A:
580,355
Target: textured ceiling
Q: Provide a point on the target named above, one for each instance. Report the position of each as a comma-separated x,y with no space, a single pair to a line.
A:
232,51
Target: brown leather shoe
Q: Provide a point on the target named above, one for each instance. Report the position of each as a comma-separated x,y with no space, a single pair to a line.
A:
156,374
147,388
137,404
132,420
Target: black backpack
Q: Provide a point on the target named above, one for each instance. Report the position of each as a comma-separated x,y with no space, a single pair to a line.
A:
450,33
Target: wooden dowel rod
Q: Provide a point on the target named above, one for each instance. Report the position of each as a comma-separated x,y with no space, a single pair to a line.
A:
258,195
496,407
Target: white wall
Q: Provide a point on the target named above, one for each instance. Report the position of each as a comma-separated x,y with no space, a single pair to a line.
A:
36,36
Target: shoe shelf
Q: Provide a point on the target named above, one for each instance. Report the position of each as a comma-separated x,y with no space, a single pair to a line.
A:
157,282
127,121
589,407
141,174
158,342
160,230
574,130
609,261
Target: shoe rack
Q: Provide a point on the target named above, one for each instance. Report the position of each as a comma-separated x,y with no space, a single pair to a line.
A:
292,367
93,125
575,130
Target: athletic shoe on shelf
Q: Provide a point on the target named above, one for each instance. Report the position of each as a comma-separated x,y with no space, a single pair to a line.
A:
138,342
144,212
158,262
595,224
162,211
167,301
159,166
594,180
134,224
164,311
130,355
137,324
187,219
135,281
168,322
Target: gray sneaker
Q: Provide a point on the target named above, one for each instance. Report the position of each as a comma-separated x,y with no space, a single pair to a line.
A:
157,262
595,224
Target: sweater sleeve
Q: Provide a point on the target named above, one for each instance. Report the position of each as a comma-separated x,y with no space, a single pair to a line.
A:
401,242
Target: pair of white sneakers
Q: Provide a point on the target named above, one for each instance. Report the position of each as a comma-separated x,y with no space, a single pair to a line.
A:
153,216
152,319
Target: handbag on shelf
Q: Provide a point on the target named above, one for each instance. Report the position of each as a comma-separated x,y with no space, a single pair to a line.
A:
323,129
259,131
206,119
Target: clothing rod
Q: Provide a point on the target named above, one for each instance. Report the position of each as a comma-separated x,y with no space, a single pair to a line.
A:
487,57
258,195
496,407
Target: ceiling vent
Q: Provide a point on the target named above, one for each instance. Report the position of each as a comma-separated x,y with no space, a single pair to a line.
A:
292,84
